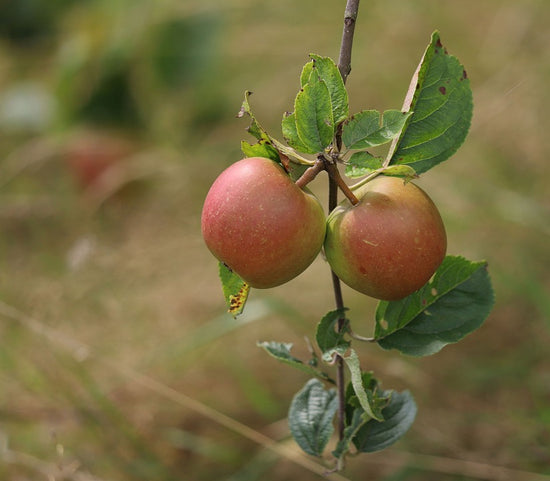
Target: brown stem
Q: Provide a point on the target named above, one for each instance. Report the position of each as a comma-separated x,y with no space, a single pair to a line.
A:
339,301
350,17
310,174
335,182
333,172
340,368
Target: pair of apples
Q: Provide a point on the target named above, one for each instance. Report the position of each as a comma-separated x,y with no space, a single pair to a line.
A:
268,231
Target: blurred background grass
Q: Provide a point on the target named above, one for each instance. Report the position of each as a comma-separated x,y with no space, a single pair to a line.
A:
110,308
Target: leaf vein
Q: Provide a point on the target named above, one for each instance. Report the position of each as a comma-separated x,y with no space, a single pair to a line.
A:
431,139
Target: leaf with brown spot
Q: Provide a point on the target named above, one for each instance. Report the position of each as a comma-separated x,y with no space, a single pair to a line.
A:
235,290
440,99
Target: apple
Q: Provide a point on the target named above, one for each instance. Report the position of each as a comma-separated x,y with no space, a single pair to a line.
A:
260,224
389,244
91,154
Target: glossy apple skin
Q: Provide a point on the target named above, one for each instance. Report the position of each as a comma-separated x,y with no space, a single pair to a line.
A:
260,224
390,243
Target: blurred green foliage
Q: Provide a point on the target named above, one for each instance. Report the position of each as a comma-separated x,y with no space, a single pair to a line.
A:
182,48
27,21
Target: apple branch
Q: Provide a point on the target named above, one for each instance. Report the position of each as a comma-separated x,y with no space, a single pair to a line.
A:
350,17
344,66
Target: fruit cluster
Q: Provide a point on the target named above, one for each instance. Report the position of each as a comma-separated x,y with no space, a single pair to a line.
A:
268,230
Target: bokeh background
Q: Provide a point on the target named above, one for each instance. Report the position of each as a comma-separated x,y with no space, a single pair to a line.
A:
117,359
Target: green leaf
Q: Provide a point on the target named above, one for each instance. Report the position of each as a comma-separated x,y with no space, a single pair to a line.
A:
310,417
359,127
235,290
368,394
399,416
329,73
453,304
441,101
262,148
328,338
377,398
281,352
362,163
306,73
290,133
256,130
358,420
404,171
393,315
313,112
366,129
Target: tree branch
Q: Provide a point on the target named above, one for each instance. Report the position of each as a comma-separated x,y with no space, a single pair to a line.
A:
350,17
344,66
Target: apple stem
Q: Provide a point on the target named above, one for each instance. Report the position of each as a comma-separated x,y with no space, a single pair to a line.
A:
310,173
334,174
329,165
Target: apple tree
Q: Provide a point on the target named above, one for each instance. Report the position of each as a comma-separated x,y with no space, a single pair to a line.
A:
385,239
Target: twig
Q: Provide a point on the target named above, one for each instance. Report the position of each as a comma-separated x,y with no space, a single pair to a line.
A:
310,173
344,66
350,17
